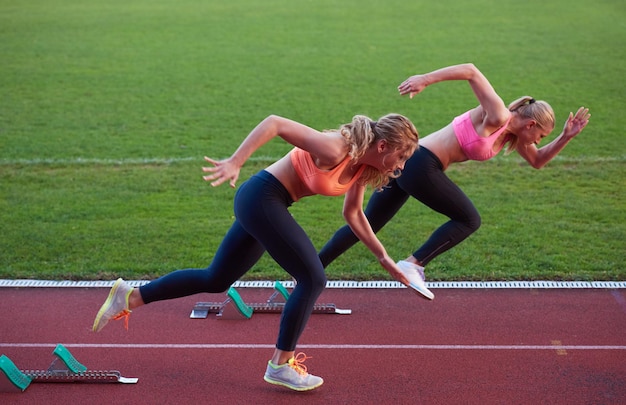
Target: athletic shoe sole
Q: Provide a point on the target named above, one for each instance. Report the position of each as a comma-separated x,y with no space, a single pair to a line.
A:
416,283
97,326
291,387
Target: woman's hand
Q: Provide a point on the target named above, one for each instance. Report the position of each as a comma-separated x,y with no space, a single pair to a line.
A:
393,269
222,170
576,123
413,85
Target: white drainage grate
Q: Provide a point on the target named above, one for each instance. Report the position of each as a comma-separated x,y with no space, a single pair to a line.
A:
340,284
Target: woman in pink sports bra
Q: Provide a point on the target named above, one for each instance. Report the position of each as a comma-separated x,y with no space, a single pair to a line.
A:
478,134
337,162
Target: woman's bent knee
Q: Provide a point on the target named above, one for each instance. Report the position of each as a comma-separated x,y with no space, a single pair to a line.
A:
474,222
316,283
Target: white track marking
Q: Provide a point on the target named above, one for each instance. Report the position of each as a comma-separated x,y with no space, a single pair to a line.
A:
204,346
343,284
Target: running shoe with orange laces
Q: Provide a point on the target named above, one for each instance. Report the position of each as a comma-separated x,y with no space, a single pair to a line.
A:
292,374
115,307
415,275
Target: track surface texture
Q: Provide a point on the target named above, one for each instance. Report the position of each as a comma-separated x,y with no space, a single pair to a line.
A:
468,346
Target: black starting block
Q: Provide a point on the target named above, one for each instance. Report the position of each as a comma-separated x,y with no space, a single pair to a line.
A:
234,306
64,368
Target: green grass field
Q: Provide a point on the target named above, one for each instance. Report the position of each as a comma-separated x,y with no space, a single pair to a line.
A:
107,108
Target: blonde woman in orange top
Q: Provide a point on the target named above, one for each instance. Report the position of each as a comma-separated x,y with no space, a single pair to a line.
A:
333,163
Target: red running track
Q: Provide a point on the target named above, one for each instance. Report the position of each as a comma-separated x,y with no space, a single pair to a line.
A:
481,346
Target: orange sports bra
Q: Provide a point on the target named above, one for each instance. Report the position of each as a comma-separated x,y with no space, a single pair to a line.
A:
474,146
323,182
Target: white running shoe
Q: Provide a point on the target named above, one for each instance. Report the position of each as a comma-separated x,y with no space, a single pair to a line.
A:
115,307
415,275
292,374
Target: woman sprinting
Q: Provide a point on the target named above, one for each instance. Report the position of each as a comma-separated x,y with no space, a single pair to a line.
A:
331,163
478,134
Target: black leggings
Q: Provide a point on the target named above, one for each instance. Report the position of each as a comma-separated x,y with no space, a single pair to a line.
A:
263,223
422,178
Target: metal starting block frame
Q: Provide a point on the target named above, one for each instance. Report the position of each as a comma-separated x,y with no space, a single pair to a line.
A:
64,368
235,308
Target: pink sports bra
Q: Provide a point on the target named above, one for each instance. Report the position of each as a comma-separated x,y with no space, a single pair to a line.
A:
324,182
474,146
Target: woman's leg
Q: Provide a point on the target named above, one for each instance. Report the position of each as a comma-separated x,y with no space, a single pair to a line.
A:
237,253
429,184
268,220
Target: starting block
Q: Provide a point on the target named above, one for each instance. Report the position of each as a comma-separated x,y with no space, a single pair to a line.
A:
13,379
234,306
64,368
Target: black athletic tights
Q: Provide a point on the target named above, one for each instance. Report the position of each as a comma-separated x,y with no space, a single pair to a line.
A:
263,224
423,178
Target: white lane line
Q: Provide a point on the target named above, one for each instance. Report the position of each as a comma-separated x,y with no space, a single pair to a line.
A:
345,284
309,346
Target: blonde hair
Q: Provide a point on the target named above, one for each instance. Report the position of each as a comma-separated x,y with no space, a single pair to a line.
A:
528,107
397,130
